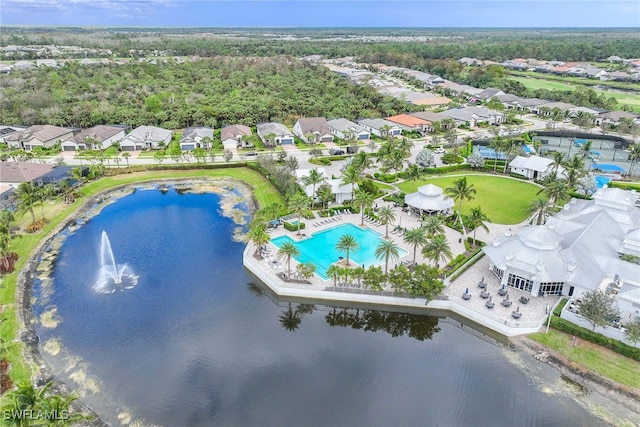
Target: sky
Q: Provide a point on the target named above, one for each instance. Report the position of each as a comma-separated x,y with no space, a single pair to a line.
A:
323,13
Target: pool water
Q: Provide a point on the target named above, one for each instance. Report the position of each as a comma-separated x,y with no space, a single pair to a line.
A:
608,167
490,153
320,249
601,181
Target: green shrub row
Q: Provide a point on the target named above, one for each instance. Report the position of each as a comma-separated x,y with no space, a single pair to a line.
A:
625,185
293,227
445,169
320,161
385,177
596,338
560,306
577,195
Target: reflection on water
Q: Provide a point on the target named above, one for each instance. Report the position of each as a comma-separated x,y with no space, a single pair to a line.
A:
193,345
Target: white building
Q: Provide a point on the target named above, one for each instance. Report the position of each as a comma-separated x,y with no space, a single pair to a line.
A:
196,137
98,137
348,130
234,136
145,137
579,249
430,199
534,167
280,134
341,192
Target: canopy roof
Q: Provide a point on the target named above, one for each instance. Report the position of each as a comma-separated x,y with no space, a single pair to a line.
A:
429,198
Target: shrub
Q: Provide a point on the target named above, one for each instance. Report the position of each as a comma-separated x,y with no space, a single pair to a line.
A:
594,337
451,158
320,161
446,169
624,185
8,263
293,227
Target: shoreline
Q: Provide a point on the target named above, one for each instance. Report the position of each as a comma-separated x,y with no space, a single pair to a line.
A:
625,396
26,320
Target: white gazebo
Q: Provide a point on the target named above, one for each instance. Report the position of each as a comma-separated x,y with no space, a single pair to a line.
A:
430,199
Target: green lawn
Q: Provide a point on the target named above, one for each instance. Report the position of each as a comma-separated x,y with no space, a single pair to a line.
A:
592,357
25,244
535,84
570,83
503,200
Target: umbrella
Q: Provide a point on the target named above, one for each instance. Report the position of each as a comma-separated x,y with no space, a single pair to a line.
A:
466,291
507,297
482,280
503,286
275,222
518,309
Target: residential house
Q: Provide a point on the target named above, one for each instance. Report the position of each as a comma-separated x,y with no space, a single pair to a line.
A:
234,136
196,137
531,105
436,119
38,136
5,131
534,167
411,123
98,137
341,192
510,102
145,137
274,134
51,63
578,250
547,108
381,127
24,65
470,62
313,130
458,89
348,130
488,93
15,173
613,117
472,116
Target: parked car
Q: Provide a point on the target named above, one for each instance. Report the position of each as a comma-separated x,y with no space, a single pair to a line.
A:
439,150
336,152
251,154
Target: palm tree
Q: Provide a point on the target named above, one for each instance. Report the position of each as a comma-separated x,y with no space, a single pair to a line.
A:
634,156
299,204
437,249
347,243
539,207
475,220
558,160
351,175
414,172
334,272
585,149
27,195
44,193
313,179
258,236
557,190
433,225
387,249
415,237
460,191
386,215
363,200
286,251
126,156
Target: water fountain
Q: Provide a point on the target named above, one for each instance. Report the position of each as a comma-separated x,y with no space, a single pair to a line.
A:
112,276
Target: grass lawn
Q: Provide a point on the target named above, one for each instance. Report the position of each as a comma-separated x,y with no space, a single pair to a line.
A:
536,83
24,244
592,357
569,83
503,200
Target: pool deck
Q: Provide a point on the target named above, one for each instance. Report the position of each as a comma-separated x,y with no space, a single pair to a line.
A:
269,270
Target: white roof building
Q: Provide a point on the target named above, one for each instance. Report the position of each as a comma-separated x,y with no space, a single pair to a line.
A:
534,167
580,249
429,198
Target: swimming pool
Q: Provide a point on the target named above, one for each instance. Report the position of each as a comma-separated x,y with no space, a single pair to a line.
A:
608,168
320,249
601,181
489,153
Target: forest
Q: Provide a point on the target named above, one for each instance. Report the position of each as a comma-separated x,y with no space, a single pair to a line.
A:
403,47
210,92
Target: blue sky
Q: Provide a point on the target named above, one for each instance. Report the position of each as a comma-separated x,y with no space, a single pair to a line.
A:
322,13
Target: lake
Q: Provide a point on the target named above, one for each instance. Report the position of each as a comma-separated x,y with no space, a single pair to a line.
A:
198,343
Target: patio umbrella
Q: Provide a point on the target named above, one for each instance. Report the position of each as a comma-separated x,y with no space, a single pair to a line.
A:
275,222
466,291
518,309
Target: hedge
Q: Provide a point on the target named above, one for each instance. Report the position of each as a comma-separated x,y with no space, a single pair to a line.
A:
293,227
594,337
445,169
625,185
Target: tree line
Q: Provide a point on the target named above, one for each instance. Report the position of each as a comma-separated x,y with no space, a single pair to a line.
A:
211,92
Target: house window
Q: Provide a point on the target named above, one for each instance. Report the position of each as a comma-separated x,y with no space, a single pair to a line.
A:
499,273
519,282
551,288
